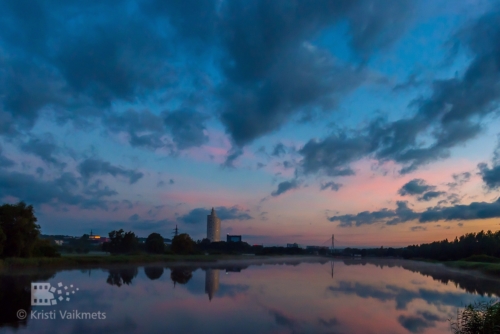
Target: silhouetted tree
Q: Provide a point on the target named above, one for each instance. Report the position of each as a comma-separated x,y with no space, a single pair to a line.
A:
2,240
121,242
155,244
18,223
482,243
183,244
45,248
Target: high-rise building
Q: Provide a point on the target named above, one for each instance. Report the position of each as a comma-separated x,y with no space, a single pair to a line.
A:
213,227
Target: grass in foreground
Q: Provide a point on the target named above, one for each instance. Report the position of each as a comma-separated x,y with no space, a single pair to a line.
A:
478,318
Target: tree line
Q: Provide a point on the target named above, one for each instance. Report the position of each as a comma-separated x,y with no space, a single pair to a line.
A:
20,234
122,242
467,245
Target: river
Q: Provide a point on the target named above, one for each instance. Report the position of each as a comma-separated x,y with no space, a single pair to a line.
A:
310,295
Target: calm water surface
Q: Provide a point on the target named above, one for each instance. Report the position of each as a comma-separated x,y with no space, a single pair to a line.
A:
286,296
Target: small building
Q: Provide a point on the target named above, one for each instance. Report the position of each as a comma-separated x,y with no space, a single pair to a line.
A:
233,238
94,237
294,245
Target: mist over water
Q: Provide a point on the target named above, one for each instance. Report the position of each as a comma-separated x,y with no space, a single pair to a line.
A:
277,296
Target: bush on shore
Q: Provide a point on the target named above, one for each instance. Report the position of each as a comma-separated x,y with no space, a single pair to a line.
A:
478,318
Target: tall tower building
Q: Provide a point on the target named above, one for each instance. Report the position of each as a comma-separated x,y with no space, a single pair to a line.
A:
213,227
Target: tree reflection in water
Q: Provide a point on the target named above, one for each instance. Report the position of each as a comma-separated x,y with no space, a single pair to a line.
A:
181,275
153,272
119,277
15,294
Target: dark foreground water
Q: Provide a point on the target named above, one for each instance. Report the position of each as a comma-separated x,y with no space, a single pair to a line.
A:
285,296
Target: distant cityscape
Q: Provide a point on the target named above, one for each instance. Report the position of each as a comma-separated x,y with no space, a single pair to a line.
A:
213,235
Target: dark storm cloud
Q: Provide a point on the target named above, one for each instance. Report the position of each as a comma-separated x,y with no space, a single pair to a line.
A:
45,148
8,126
411,82
74,66
4,161
199,215
475,210
272,72
415,187
491,176
63,190
187,128
78,68
331,185
93,166
97,189
285,186
397,141
453,112
191,18
332,154
266,68
402,214
145,129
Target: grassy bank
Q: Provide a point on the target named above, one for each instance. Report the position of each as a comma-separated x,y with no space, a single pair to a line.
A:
484,267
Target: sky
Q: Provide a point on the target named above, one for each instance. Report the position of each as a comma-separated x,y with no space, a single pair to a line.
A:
375,121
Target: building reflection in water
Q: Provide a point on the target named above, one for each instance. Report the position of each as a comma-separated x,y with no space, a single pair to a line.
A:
211,282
